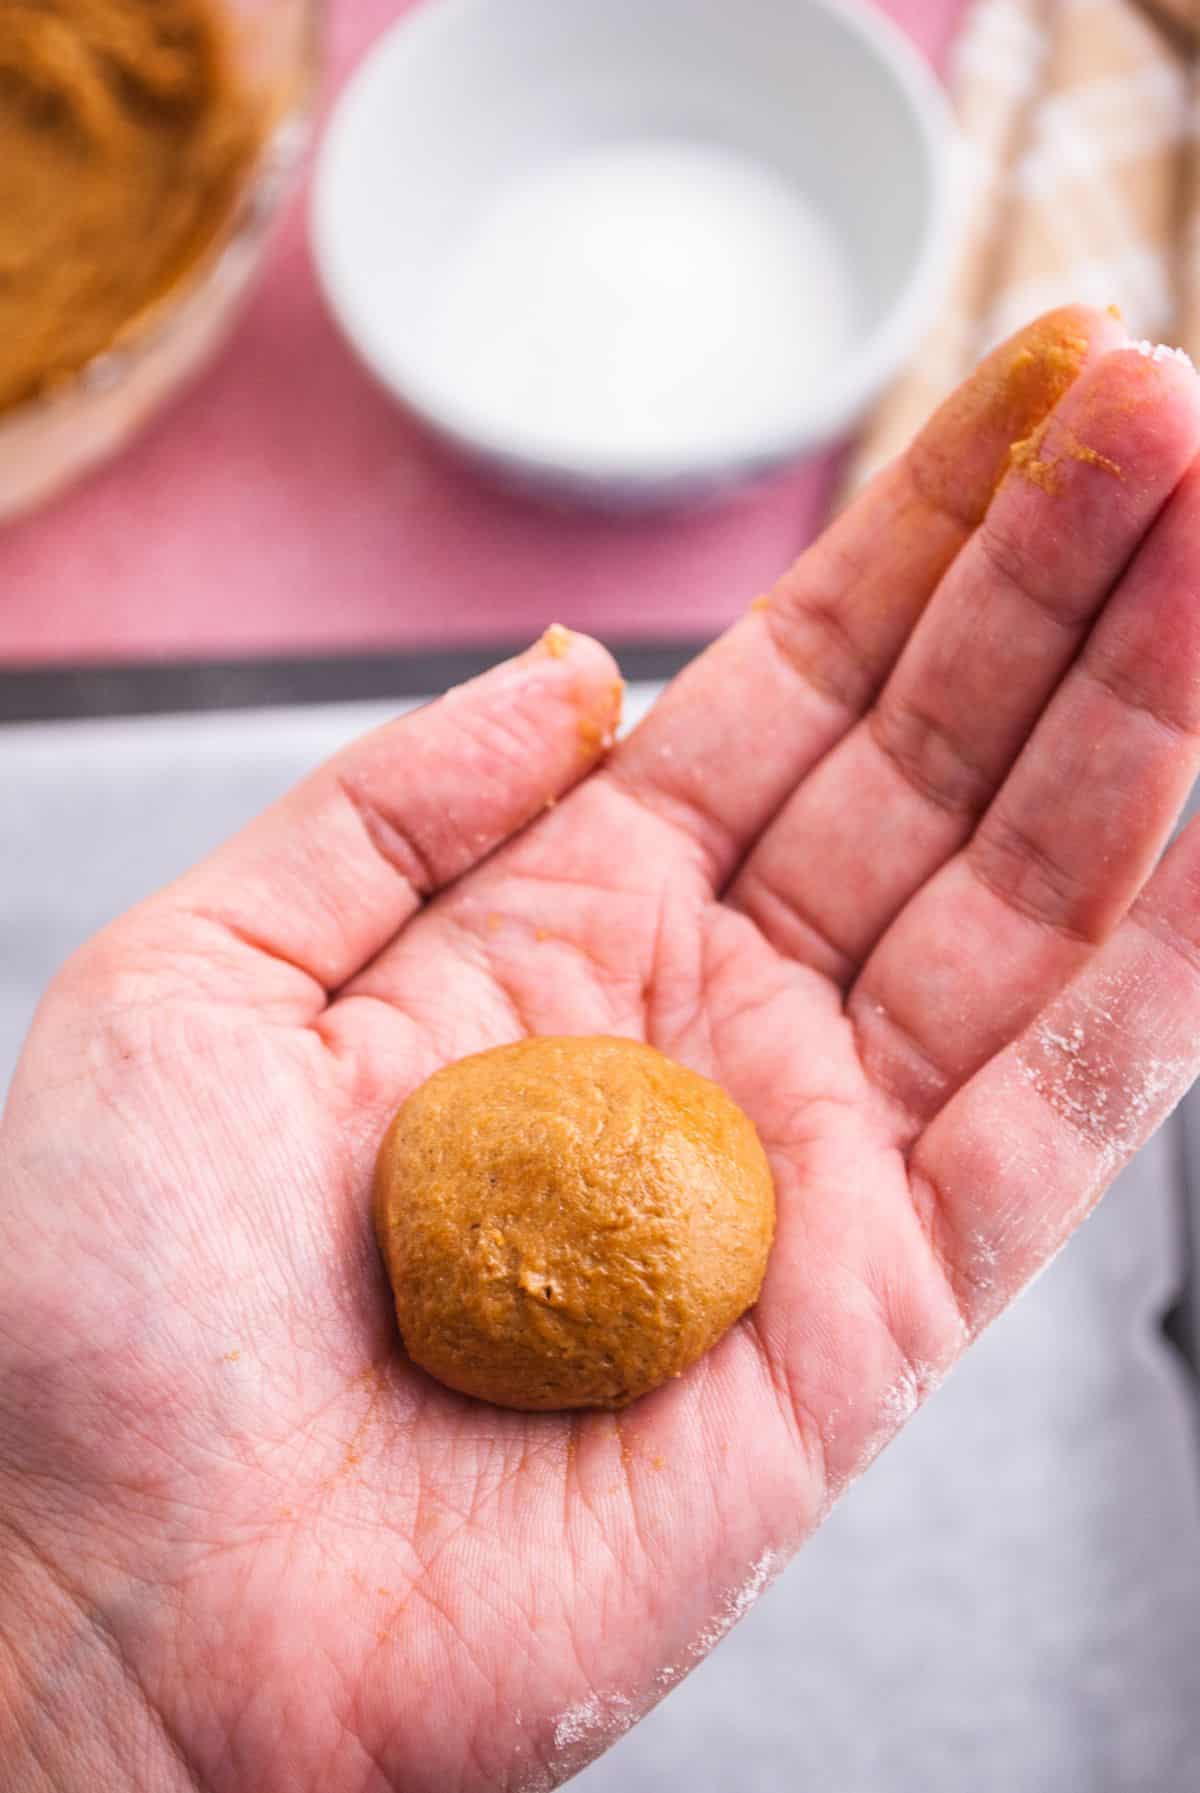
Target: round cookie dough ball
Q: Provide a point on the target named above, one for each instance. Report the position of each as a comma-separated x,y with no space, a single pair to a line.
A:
569,1222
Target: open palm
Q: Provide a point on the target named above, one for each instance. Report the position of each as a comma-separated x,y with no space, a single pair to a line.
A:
877,863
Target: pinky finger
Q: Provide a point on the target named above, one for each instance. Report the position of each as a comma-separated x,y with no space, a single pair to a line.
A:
1025,1150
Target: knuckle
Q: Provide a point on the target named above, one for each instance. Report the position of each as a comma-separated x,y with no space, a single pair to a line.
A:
929,756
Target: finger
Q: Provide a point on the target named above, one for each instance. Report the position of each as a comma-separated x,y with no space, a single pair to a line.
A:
289,909
1023,1152
902,791
1063,850
727,743
564,931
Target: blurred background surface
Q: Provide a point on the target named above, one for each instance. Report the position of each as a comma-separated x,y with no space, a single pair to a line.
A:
285,505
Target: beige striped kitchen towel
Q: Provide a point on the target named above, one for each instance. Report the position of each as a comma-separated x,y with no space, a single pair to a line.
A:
1082,177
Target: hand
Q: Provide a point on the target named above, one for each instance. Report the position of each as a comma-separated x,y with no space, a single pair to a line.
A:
877,862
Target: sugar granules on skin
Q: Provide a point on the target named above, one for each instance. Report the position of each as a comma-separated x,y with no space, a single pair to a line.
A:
737,1604
899,1402
915,1382
588,1728
593,1720
593,1723
1162,351
581,1732
1108,1103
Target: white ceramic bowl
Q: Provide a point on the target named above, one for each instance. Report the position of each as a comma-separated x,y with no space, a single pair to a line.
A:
465,102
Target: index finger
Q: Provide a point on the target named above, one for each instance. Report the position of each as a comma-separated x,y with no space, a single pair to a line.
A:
295,904
740,727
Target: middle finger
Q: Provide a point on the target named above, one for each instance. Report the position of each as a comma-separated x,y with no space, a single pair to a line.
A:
903,790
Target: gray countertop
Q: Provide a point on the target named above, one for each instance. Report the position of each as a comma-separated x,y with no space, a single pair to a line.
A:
1008,1602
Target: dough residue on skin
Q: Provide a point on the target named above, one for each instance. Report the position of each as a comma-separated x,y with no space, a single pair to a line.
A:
1079,451
557,641
1046,471
570,1222
1026,458
596,737
1032,382
1012,394
125,136
1040,373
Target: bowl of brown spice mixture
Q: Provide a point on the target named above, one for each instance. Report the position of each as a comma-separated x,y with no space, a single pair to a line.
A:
144,148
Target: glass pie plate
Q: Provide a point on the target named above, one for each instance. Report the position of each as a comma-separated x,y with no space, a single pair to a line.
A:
50,440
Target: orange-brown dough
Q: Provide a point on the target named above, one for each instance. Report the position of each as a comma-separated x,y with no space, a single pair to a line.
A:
569,1222
125,135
